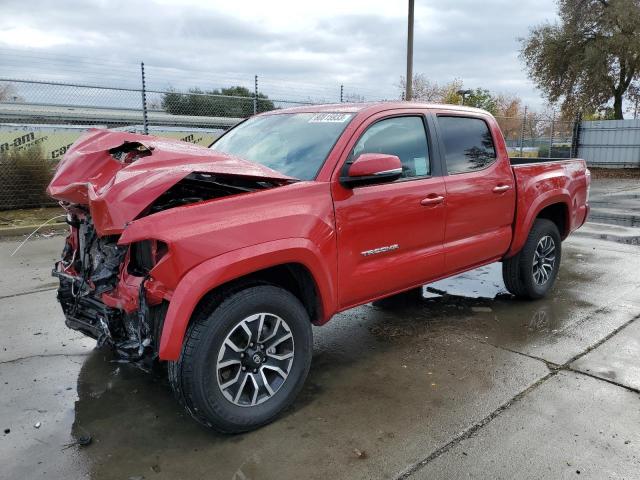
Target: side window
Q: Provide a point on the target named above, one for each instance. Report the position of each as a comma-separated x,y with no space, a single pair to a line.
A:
468,144
404,137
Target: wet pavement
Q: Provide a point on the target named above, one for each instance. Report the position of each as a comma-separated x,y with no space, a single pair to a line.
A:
460,381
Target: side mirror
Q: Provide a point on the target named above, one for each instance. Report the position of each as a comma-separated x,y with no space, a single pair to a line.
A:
370,168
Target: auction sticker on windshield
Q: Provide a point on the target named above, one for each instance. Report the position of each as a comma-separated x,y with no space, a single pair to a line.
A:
330,118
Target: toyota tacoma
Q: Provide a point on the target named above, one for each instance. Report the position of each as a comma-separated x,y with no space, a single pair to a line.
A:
219,260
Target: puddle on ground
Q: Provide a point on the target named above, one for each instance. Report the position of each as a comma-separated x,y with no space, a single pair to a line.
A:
483,282
477,304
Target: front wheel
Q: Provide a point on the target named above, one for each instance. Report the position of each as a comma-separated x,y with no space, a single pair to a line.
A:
244,361
532,272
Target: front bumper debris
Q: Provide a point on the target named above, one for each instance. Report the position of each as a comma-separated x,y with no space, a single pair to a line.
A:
102,299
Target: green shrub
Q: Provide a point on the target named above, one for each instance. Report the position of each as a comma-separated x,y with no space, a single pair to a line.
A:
557,151
24,176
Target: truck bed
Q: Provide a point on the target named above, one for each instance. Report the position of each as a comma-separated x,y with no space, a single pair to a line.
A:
526,160
545,181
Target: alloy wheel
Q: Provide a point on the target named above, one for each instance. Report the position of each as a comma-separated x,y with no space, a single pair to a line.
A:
544,259
255,359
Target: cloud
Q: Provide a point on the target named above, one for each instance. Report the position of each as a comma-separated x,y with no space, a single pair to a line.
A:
298,49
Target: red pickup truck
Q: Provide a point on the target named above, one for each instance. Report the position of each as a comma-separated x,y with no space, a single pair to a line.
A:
218,260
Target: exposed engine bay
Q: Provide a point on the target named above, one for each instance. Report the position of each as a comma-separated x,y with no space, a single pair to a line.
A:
200,186
90,268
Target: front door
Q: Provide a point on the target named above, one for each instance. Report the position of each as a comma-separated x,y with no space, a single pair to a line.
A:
390,235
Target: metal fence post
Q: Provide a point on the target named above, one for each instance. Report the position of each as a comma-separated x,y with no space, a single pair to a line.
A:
524,121
255,96
341,93
575,138
553,119
145,123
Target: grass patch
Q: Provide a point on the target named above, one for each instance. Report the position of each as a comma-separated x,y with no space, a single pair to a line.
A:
29,216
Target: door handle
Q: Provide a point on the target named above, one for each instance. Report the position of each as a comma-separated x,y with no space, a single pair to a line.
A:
430,201
501,188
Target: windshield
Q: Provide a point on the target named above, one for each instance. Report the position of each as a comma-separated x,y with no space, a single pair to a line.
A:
295,144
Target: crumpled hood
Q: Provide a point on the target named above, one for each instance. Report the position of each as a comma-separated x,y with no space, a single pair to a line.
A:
117,192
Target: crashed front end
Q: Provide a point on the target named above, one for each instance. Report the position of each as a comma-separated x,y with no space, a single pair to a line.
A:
115,289
106,291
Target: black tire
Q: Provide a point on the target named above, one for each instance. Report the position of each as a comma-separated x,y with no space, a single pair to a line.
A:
517,271
194,376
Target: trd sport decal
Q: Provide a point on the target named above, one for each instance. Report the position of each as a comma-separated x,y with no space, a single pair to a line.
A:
375,251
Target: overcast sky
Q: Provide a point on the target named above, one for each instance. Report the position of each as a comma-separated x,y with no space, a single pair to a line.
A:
296,47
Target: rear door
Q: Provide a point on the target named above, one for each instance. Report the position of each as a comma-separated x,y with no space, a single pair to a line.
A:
480,191
390,235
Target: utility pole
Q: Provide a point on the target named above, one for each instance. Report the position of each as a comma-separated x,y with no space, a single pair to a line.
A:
409,81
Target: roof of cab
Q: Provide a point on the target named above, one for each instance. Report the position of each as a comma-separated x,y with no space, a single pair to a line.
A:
373,107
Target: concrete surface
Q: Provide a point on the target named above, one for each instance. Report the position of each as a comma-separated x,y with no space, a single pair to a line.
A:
617,361
616,202
461,383
563,429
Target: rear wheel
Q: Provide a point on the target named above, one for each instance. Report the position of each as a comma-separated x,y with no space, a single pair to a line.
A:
245,361
532,272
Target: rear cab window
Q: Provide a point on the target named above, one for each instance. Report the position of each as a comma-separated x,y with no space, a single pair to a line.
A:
468,144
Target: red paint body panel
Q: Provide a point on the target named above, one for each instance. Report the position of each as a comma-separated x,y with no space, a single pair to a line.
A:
541,185
321,225
372,163
219,270
479,219
387,215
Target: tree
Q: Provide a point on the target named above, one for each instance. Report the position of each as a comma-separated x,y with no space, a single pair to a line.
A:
509,113
592,55
450,93
225,102
425,90
482,98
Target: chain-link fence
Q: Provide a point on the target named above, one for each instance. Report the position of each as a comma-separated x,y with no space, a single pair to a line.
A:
536,136
39,120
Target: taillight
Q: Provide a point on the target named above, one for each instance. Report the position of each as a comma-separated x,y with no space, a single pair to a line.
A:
587,174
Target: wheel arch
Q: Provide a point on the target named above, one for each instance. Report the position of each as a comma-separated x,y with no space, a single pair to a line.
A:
553,206
558,213
293,264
